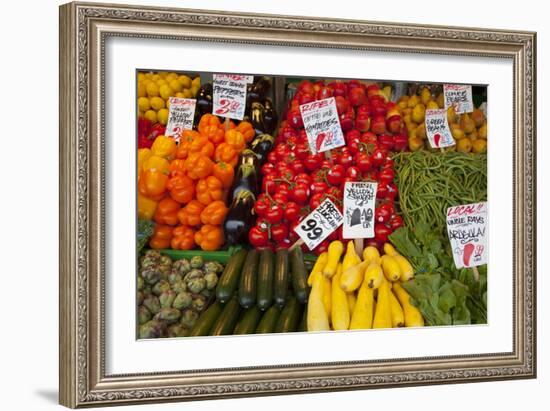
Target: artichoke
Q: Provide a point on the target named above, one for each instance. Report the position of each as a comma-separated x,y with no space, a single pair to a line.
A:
197,262
174,277
151,274
140,283
211,279
192,275
213,266
150,258
167,298
188,318
182,266
168,315
183,300
206,292
161,287
196,285
179,287
178,330
152,303
165,265
199,302
152,329
144,314
140,296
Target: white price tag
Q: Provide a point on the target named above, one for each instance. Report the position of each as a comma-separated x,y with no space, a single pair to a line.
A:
322,125
230,95
359,200
180,116
467,230
458,96
437,128
319,224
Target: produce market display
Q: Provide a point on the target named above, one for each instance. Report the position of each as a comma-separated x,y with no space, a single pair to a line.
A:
274,205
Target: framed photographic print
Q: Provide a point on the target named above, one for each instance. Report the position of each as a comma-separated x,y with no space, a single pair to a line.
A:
259,204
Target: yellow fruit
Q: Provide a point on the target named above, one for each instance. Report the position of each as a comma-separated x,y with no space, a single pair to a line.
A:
187,93
361,318
340,310
397,315
152,90
335,250
317,267
473,135
418,113
413,101
180,95
440,100
141,76
421,131
402,104
351,278
175,85
157,103
171,76
165,91
407,271
411,128
482,131
193,90
467,123
407,111
185,81
403,99
478,117
415,144
141,90
389,249
456,131
371,255
327,296
464,145
451,115
413,317
432,105
196,82
162,116
151,115
479,146
143,104
425,95
382,315
391,268
156,77
317,318
373,275
352,300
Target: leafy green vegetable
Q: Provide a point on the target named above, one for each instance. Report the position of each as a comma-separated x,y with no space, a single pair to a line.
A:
144,232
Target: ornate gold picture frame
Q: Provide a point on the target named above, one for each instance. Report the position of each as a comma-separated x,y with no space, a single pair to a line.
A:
84,28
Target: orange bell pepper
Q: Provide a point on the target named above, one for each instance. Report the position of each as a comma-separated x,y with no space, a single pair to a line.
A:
227,153
167,211
190,215
235,139
246,129
209,189
183,238
209,237
198,166
155,162
182,188
146,207
152,184
187,137
214,213
224,172
161,238
210,127
201,145
177,167
164,147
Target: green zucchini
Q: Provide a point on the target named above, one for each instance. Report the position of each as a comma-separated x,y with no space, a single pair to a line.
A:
225,324
265,280
290,316
303,322
206,320
299,275
281,277
269,320
249,274
229,280
249,321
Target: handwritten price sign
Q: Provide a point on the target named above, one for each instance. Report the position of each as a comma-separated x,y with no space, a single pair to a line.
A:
467,229
319,224
437,128
322,125
459,97
180,116
230,95
359,199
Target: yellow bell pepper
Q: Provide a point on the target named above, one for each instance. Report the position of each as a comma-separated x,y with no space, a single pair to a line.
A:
155,162
164,147
143,155
146,207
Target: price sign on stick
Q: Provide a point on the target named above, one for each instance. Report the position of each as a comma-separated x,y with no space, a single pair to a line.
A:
230,95
459,97
180,116
359,199
437,128
467,229
319,224
322,125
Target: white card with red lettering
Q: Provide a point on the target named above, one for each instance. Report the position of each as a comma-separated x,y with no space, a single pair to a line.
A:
467,230
229,98
322,125
437,128
180,116
458,96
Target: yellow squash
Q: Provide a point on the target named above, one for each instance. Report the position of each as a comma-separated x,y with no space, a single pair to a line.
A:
413,317
352,300
391,268
382,315
350,258
327,296
389,249
405,266
353,276
371,254
317,267
317,318
340,309
364,309
397,315
373,275
335,250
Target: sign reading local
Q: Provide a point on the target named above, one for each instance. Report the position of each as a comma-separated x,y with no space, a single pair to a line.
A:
458,96
180,116
322,125
319,224
359,201
437,128
467,230
230,95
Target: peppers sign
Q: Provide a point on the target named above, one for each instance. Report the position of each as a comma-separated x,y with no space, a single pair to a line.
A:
437,128
319,224
322,125
359,199
230,95
180,116
467,230
458,96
